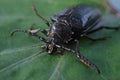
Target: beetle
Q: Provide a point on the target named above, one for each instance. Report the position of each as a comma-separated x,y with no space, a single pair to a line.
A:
70,25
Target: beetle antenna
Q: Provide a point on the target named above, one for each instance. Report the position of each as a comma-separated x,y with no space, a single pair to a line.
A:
36,12
30,32
17,30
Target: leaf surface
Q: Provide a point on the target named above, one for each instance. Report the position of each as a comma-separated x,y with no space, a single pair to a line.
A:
21,57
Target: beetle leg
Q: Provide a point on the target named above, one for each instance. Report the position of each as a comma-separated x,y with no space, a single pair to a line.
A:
36,12
104,27
84,59
80,56
97,39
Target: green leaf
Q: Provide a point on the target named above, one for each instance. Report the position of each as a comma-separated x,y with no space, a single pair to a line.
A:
21,57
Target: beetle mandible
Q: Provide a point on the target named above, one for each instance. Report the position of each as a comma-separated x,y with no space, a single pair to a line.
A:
69,25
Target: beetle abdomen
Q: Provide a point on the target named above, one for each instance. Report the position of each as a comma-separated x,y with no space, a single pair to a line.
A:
80,18
84,17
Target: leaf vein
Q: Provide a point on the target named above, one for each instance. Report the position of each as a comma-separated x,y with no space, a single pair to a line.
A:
57,70
21,62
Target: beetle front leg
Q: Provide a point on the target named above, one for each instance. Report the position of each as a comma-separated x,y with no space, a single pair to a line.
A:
84,59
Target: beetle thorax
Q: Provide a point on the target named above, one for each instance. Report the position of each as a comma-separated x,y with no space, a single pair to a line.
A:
59,32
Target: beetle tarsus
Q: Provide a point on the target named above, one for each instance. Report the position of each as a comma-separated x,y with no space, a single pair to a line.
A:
84,59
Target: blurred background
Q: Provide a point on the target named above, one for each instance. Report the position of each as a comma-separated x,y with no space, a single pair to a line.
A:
19,55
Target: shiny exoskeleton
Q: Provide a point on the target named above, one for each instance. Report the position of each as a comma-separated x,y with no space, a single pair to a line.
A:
69,25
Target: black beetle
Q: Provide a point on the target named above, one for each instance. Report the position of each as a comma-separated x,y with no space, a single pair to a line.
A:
67,26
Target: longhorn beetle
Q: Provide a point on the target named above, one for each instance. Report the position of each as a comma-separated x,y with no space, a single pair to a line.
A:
68,26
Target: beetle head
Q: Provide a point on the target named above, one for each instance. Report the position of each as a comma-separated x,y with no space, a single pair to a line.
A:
51,48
